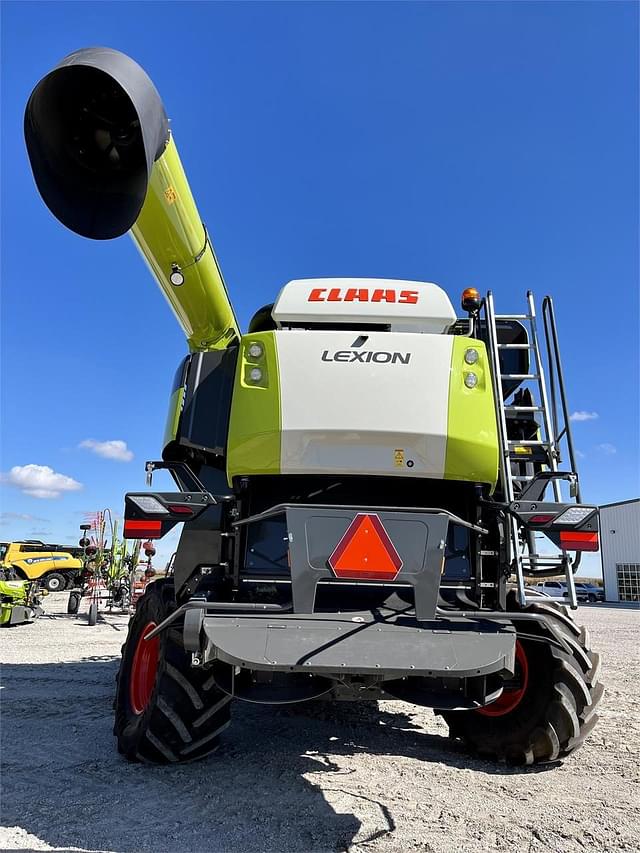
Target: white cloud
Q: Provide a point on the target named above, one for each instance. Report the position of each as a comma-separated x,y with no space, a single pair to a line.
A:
607,449
583,416
40,481
114,449
20,516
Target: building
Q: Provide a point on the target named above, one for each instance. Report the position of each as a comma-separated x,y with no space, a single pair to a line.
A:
620,550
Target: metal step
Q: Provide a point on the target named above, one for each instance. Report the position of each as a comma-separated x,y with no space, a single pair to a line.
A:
523,409
513,317
519,376
515,346
528,442
543,559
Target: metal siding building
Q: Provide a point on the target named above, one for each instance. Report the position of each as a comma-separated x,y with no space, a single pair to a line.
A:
620,550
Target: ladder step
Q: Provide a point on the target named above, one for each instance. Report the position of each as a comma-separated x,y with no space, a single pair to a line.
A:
519,376
515,346
523,409
513,317
529,442
522,479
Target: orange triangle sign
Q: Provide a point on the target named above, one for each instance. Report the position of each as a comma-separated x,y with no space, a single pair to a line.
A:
366,552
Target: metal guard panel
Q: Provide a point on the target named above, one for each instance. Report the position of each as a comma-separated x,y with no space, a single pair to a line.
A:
339,643
419,539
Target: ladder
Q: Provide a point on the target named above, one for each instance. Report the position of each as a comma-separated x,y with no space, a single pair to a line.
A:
524,559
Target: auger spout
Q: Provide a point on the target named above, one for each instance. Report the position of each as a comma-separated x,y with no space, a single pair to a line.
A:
105,162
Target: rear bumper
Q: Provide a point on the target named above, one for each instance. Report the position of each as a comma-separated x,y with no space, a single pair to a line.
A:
360,644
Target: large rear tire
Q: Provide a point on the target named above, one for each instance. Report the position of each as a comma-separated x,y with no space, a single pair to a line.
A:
166,710
550,709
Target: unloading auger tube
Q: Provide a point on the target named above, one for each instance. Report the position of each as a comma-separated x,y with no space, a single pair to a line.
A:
354,499
105,162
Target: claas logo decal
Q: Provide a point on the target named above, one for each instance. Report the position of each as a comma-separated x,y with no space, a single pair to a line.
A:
363,294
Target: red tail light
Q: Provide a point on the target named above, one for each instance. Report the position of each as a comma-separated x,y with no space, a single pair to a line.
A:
575,540
143,529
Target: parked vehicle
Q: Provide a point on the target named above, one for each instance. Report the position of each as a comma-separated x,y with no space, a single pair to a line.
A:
554,589
559,589
592,592
32,560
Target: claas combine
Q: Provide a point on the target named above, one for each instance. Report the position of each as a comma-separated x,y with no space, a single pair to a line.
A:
365,478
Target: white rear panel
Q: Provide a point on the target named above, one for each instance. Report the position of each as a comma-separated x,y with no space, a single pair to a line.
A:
404,305
375,403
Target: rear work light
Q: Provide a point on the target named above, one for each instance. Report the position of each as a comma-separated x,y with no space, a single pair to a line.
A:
574,515
149,504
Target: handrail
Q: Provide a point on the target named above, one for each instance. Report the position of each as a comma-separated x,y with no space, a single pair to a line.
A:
551,335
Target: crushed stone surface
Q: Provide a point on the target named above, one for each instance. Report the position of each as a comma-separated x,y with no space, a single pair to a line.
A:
367,777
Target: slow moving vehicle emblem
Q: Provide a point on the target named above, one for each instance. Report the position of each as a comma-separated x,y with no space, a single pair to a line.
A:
366,552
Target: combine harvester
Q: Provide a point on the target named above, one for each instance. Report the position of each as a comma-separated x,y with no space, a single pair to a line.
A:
361,477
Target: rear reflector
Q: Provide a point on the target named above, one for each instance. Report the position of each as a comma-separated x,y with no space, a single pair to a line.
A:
541,519
573,540
366,552
180,509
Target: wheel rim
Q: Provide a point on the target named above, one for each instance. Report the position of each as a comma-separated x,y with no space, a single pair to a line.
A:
54,584
510,699
144,669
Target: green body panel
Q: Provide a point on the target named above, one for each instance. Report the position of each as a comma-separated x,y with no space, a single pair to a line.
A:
173,416
472,431
169,231
14,590
254,429
13,602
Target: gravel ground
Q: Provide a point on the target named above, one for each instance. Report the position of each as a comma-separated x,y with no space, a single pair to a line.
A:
357,777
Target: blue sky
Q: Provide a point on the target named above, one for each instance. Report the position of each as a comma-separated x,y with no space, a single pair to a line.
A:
485,144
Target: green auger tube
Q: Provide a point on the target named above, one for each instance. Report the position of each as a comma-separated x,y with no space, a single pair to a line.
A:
105,162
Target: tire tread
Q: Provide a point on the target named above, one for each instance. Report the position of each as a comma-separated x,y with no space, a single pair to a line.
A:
567,719
186,713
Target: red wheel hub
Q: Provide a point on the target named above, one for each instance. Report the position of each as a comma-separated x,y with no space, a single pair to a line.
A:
144,669
510,698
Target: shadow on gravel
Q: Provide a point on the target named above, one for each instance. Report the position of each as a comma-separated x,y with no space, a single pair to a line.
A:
65,783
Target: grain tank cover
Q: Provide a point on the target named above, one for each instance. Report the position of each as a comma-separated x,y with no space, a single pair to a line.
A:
403,306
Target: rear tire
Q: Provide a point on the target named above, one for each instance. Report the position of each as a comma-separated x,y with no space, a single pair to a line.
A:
166,710
557,708
93,614
54,582
74,602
